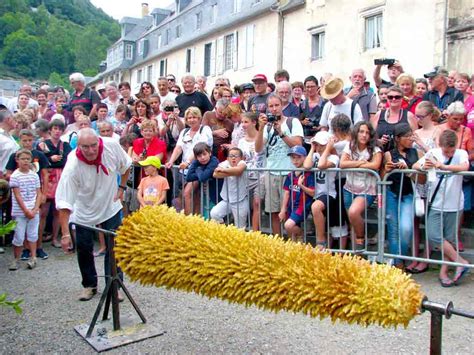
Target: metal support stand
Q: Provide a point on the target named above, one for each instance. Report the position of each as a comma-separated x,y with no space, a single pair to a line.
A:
438,310
115,335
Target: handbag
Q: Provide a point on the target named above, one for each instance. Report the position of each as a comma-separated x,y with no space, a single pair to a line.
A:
419,205
53,181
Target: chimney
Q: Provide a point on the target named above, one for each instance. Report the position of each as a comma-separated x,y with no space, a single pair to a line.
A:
145,10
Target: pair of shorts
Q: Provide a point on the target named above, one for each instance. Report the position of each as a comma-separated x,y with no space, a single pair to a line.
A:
442,225
349,198
28,227
336,212
272,192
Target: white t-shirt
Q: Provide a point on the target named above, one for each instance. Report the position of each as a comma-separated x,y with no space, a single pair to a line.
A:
325,182
253,159
187,143
360,183
330,110
88,193
234,188
450,197
276,150
169,96
8,146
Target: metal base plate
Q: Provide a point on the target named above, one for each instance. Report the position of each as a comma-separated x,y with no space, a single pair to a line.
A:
105,338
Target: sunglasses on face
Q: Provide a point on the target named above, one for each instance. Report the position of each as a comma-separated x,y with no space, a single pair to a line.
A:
170,79
220,84
420,117
233,156
175,91
394,97
146,87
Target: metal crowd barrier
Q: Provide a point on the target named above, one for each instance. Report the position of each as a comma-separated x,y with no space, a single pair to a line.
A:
204,196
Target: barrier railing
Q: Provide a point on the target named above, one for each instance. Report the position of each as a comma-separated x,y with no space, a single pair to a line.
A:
202,197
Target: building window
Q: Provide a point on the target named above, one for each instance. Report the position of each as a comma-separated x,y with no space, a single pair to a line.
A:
237,5
178,31
198,20
159,41
317,45
373,31
128,51
139,76
213,13
207,59
149,73
140,47
167,36
163,67
188,60
229,51
248,46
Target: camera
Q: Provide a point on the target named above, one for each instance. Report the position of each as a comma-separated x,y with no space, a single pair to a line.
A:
384,61
272,118
168,108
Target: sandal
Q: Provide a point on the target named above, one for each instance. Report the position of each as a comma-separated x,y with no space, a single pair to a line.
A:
420,271
47,238
459,275
446,282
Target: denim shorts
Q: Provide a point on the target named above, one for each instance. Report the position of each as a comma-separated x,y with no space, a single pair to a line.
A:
349,197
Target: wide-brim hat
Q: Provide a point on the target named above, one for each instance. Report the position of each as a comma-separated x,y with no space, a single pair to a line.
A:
332,88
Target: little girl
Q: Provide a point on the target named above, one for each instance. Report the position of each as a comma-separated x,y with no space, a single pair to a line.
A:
26,201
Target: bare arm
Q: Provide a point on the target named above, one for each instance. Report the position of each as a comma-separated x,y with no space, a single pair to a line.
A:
323,162
375,163
284,206
21,203
347,162
259,141
162,197
140,199
376,75
308,161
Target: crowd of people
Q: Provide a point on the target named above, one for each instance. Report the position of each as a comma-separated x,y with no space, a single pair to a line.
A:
231,153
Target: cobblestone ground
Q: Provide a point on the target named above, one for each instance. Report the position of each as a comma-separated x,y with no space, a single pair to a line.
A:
195,324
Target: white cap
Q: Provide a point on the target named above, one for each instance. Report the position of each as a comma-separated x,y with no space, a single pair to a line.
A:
321,137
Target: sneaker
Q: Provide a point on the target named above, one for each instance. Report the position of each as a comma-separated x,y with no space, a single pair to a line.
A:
25,255
40,253
14,265
87,293
31,263
2,250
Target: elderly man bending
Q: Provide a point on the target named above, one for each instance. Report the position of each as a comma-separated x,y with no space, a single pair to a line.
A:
88,193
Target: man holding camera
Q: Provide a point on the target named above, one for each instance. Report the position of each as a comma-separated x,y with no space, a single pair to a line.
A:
394,69
276,135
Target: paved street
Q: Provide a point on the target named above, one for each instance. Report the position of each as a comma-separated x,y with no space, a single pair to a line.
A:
196,324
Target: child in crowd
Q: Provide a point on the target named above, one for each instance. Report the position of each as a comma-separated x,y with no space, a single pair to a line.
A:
298,195
152,189
26,200
234,190
102,112
360,188
40,166
201,171
446,201
321,156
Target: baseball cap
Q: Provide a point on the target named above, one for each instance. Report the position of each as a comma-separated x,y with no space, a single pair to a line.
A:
321,137
247,86
260,77
100,87
152,160
298,150
436,71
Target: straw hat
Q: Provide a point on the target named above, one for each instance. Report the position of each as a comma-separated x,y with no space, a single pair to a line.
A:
332,88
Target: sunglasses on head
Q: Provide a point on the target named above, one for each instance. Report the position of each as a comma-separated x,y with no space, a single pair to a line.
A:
394,97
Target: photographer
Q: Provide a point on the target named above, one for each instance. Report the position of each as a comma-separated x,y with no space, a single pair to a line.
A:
276,134
385,121
311,107
394,69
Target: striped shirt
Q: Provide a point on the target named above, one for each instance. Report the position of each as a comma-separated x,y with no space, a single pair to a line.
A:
28,183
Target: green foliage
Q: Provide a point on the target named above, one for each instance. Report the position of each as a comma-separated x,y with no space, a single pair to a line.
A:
39,38
15,305
7,228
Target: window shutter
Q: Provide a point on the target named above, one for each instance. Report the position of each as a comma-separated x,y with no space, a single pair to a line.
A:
220,55
213,58
234,49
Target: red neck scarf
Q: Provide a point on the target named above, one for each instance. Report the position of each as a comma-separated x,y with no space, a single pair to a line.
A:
97,161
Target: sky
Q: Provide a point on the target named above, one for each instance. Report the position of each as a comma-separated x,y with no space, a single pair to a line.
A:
131,8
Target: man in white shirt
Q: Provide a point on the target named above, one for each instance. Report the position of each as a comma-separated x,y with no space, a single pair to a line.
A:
338,103
163,91
8,146
88,194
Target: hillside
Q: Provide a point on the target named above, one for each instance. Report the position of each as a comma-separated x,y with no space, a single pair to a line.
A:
49,39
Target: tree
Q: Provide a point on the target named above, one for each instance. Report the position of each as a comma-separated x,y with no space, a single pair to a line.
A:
19,53
91,48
